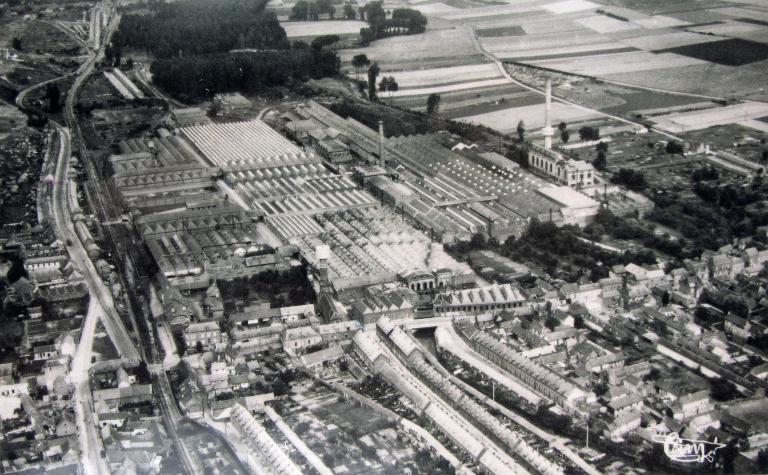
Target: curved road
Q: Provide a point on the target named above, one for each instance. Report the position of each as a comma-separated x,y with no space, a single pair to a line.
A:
500,65
101,304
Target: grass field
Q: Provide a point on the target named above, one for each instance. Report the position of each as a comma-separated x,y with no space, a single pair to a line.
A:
506,120
436,76
705,118
451,46
305,29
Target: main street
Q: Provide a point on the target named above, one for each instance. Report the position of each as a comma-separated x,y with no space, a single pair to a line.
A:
101,305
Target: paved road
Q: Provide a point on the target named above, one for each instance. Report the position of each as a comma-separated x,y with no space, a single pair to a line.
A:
172,417
100,297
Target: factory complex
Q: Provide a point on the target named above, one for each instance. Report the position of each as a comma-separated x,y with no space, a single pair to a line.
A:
220,201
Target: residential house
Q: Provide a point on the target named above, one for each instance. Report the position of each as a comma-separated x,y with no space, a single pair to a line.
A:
623,425
297,340
208,334
629,403
692,405
737,326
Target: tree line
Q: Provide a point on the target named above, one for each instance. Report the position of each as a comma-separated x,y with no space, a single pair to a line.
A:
402,21
200,77
202,27
194,40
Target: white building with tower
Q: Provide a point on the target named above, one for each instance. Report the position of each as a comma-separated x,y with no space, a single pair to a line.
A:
553,164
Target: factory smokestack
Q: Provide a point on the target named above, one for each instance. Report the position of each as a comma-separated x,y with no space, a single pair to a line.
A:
382,161
548,131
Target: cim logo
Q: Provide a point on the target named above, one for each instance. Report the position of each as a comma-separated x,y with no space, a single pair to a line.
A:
687,450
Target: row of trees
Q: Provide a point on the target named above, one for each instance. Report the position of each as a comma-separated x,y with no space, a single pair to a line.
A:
304,10
198,77
202,27
403,21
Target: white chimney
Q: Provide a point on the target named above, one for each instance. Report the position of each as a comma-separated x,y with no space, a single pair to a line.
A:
382,161
548,132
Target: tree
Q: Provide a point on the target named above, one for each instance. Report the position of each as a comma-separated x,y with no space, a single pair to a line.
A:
673,148
565,136
562,126
366,36
433,104
600,161
375,16
199,347
551,322
349,12
521,130
313,12
373,73
331,11
53,96
322,41
723,390
299,10
653,375
413,20
388,84
632,179
16,43
587,133
129,63
601,147
665,298
762,461
214,110
360,61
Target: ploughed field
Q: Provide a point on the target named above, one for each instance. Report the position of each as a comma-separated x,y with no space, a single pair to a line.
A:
710,49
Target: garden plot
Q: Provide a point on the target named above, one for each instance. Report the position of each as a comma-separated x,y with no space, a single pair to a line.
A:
301,29
474,101
570,6
550,25
660,21
434,9
495,10
702,119
662,41
618,63
441,76
506,120
737,12
520,44
605,24
448,88
553,53
728,28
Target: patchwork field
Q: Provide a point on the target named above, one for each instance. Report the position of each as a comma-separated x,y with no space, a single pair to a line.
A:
713,48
